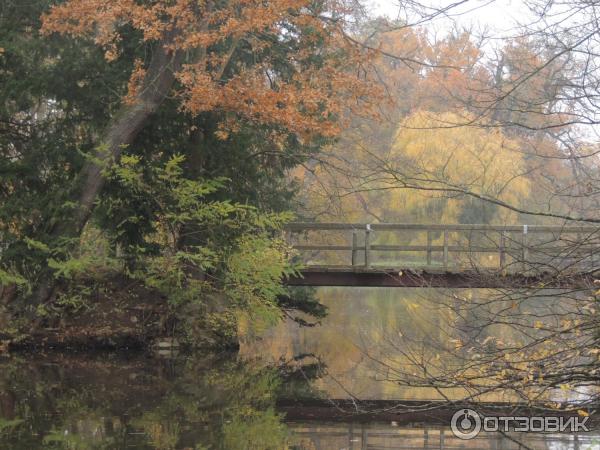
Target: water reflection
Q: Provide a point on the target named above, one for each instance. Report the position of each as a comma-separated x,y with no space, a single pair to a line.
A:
113,403
357,333
231,401
378,436
201,402
373,337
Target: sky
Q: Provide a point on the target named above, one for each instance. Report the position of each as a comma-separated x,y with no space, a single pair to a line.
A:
499,16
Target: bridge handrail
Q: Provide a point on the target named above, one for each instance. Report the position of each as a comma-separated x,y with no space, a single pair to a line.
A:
315,226
512,238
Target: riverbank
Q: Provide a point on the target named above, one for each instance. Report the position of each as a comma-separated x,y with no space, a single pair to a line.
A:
111,313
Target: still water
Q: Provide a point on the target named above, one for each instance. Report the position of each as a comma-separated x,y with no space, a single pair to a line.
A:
233,401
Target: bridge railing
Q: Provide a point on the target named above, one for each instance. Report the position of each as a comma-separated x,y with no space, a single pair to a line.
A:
513,248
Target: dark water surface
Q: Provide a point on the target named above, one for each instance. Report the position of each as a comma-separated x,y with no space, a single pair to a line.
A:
233,401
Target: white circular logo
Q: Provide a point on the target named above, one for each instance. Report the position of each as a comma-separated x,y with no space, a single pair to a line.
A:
465,424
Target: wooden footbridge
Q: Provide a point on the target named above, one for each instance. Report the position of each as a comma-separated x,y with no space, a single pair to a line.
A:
460,255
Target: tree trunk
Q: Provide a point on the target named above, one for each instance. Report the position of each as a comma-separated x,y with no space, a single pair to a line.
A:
120,132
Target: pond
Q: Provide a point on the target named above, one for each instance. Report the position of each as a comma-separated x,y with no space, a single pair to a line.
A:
257,399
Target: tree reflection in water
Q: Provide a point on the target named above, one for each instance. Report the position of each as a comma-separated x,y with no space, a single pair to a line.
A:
108,402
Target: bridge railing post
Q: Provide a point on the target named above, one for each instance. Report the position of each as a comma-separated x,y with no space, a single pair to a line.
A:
525,250
445,249
502,248
354,245
368,246
429,242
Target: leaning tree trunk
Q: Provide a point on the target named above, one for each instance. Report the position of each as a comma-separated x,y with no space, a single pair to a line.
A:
120,132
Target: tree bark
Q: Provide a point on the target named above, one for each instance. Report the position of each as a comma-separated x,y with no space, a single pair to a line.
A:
120,132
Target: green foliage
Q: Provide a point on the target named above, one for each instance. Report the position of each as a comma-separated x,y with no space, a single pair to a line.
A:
171,275
7,426
7,278
182,207
254,276
72,266
179,269
75,299
49,115
220,256
60,439
32,244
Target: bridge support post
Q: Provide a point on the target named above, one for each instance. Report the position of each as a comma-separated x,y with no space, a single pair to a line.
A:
368,247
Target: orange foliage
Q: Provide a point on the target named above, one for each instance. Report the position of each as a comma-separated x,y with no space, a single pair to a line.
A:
308,101
455,81
135,81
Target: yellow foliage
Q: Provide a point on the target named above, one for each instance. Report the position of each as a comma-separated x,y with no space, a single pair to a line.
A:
446,158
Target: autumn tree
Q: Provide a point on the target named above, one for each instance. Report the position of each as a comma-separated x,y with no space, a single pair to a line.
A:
539,85
537,91
279,65
523,88
49,117
429,101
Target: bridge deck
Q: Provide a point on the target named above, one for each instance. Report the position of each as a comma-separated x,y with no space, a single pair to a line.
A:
382,277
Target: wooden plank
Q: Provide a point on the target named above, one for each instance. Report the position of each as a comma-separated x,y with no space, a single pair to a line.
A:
583,251
309,226
433,248
327,247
